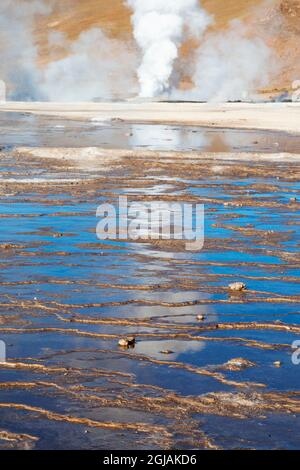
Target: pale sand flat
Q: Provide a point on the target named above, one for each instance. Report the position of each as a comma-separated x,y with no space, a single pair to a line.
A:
268,116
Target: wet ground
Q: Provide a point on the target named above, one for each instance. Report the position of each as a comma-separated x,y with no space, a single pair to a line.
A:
19,129
211,368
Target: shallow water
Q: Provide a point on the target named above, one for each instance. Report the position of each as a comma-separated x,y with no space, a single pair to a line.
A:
19,129
66,298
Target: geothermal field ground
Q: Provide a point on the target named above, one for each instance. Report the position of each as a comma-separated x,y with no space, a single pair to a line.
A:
211,368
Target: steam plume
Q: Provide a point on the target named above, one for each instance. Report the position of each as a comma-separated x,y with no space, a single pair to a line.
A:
18,52
231,66
160,27
227,65
95,67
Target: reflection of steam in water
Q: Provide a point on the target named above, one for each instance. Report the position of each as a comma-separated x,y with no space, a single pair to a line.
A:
2,351
155,221
20,129
252,141
194,139
145,136
170,221
168,349
209,139
183,315
167,138
237,140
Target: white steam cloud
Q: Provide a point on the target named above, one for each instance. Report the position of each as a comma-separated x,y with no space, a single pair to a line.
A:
18,52
231,66
227,65
95,67
160,27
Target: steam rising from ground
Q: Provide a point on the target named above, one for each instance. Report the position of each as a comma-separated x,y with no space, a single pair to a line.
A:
231,66
18,52
160,27
95,67
226,65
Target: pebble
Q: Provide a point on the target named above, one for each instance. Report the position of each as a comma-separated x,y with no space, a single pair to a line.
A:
127,342
117,119
237,286
238,364
58,235
166,351
201,317
277,363
233,204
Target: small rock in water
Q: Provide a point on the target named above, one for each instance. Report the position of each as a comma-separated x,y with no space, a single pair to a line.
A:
127,342
166,351
293,199
237,364
131,340
117,119
237,286
277,363
201,317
